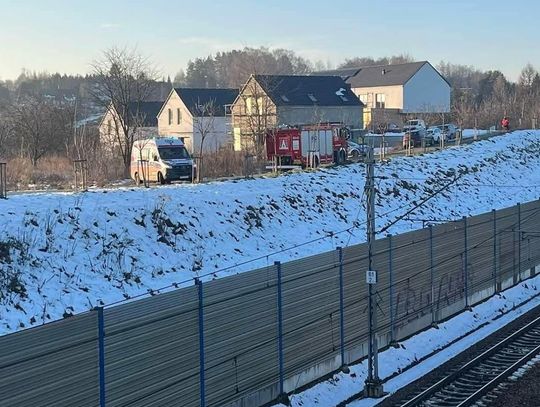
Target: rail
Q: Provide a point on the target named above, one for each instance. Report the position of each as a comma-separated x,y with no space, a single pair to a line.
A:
479,376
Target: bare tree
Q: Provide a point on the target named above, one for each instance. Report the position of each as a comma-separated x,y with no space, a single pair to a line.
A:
256,113
6,136
204,126
40,128
124,80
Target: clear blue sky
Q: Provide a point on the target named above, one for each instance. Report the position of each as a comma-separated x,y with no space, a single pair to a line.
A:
66,35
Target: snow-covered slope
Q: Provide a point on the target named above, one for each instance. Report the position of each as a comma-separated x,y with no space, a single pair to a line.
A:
65,253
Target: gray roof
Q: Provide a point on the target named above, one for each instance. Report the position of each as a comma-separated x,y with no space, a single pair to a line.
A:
148,111
194,97
299,90
379,75
343,73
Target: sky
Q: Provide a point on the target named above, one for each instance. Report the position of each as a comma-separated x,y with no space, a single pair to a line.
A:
67,35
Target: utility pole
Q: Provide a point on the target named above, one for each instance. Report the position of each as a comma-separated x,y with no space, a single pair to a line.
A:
373,387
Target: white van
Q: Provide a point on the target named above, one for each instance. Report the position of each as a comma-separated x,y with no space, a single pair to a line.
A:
160,159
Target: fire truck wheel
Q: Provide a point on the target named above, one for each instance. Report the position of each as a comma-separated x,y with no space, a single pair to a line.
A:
341,157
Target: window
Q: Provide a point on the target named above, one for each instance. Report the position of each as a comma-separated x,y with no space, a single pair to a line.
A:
380,100
249,105
173,153
178,116
170,117
312,97
363,98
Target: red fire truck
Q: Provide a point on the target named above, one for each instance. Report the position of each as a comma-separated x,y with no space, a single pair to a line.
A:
308,145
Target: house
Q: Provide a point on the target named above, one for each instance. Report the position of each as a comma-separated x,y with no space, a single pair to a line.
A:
267,101
194,114
143,121
391,92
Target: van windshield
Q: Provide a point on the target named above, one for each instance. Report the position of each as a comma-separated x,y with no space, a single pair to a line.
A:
173,153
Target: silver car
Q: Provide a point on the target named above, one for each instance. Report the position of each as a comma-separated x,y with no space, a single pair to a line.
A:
356,152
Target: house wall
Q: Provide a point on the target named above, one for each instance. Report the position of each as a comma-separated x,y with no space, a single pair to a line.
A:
245,123
108,135
393,96
189,130
183,130
108,128
426,92
218,133
293,115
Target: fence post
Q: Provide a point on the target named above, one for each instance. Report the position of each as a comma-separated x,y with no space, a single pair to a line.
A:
432,277
202,387
344,366
495,286
519,241
101,355
393,341
465,265
282,397
3,180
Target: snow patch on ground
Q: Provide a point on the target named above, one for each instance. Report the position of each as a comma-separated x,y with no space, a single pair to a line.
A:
64,253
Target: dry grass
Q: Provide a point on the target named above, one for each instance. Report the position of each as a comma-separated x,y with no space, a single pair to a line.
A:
53,171
57,172
229,163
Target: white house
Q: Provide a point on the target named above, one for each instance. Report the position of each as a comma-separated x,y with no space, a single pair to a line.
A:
396,90
143,122
191,113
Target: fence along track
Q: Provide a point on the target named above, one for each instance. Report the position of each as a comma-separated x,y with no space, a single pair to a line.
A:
152,354
479,376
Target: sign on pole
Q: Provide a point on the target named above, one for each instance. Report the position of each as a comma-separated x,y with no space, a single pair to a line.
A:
371,277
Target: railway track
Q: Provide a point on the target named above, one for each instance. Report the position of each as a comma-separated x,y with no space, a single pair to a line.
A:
472,382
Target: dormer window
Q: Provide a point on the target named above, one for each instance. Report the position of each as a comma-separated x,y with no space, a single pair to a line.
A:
312,97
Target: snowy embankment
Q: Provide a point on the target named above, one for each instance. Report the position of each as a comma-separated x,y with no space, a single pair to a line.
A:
65,253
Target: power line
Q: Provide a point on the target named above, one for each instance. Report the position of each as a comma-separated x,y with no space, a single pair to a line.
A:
423,201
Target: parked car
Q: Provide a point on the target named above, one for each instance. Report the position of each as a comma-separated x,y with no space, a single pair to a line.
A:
412,137
356,152
393,128
390,128
449,130
417,136
435,134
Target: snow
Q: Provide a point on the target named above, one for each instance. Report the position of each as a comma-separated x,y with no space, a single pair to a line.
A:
467,325
92,119
470,133
63,253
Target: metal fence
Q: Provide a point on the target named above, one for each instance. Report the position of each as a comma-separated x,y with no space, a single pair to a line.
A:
246,339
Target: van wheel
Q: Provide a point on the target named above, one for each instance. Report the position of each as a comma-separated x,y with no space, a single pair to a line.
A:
160,178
